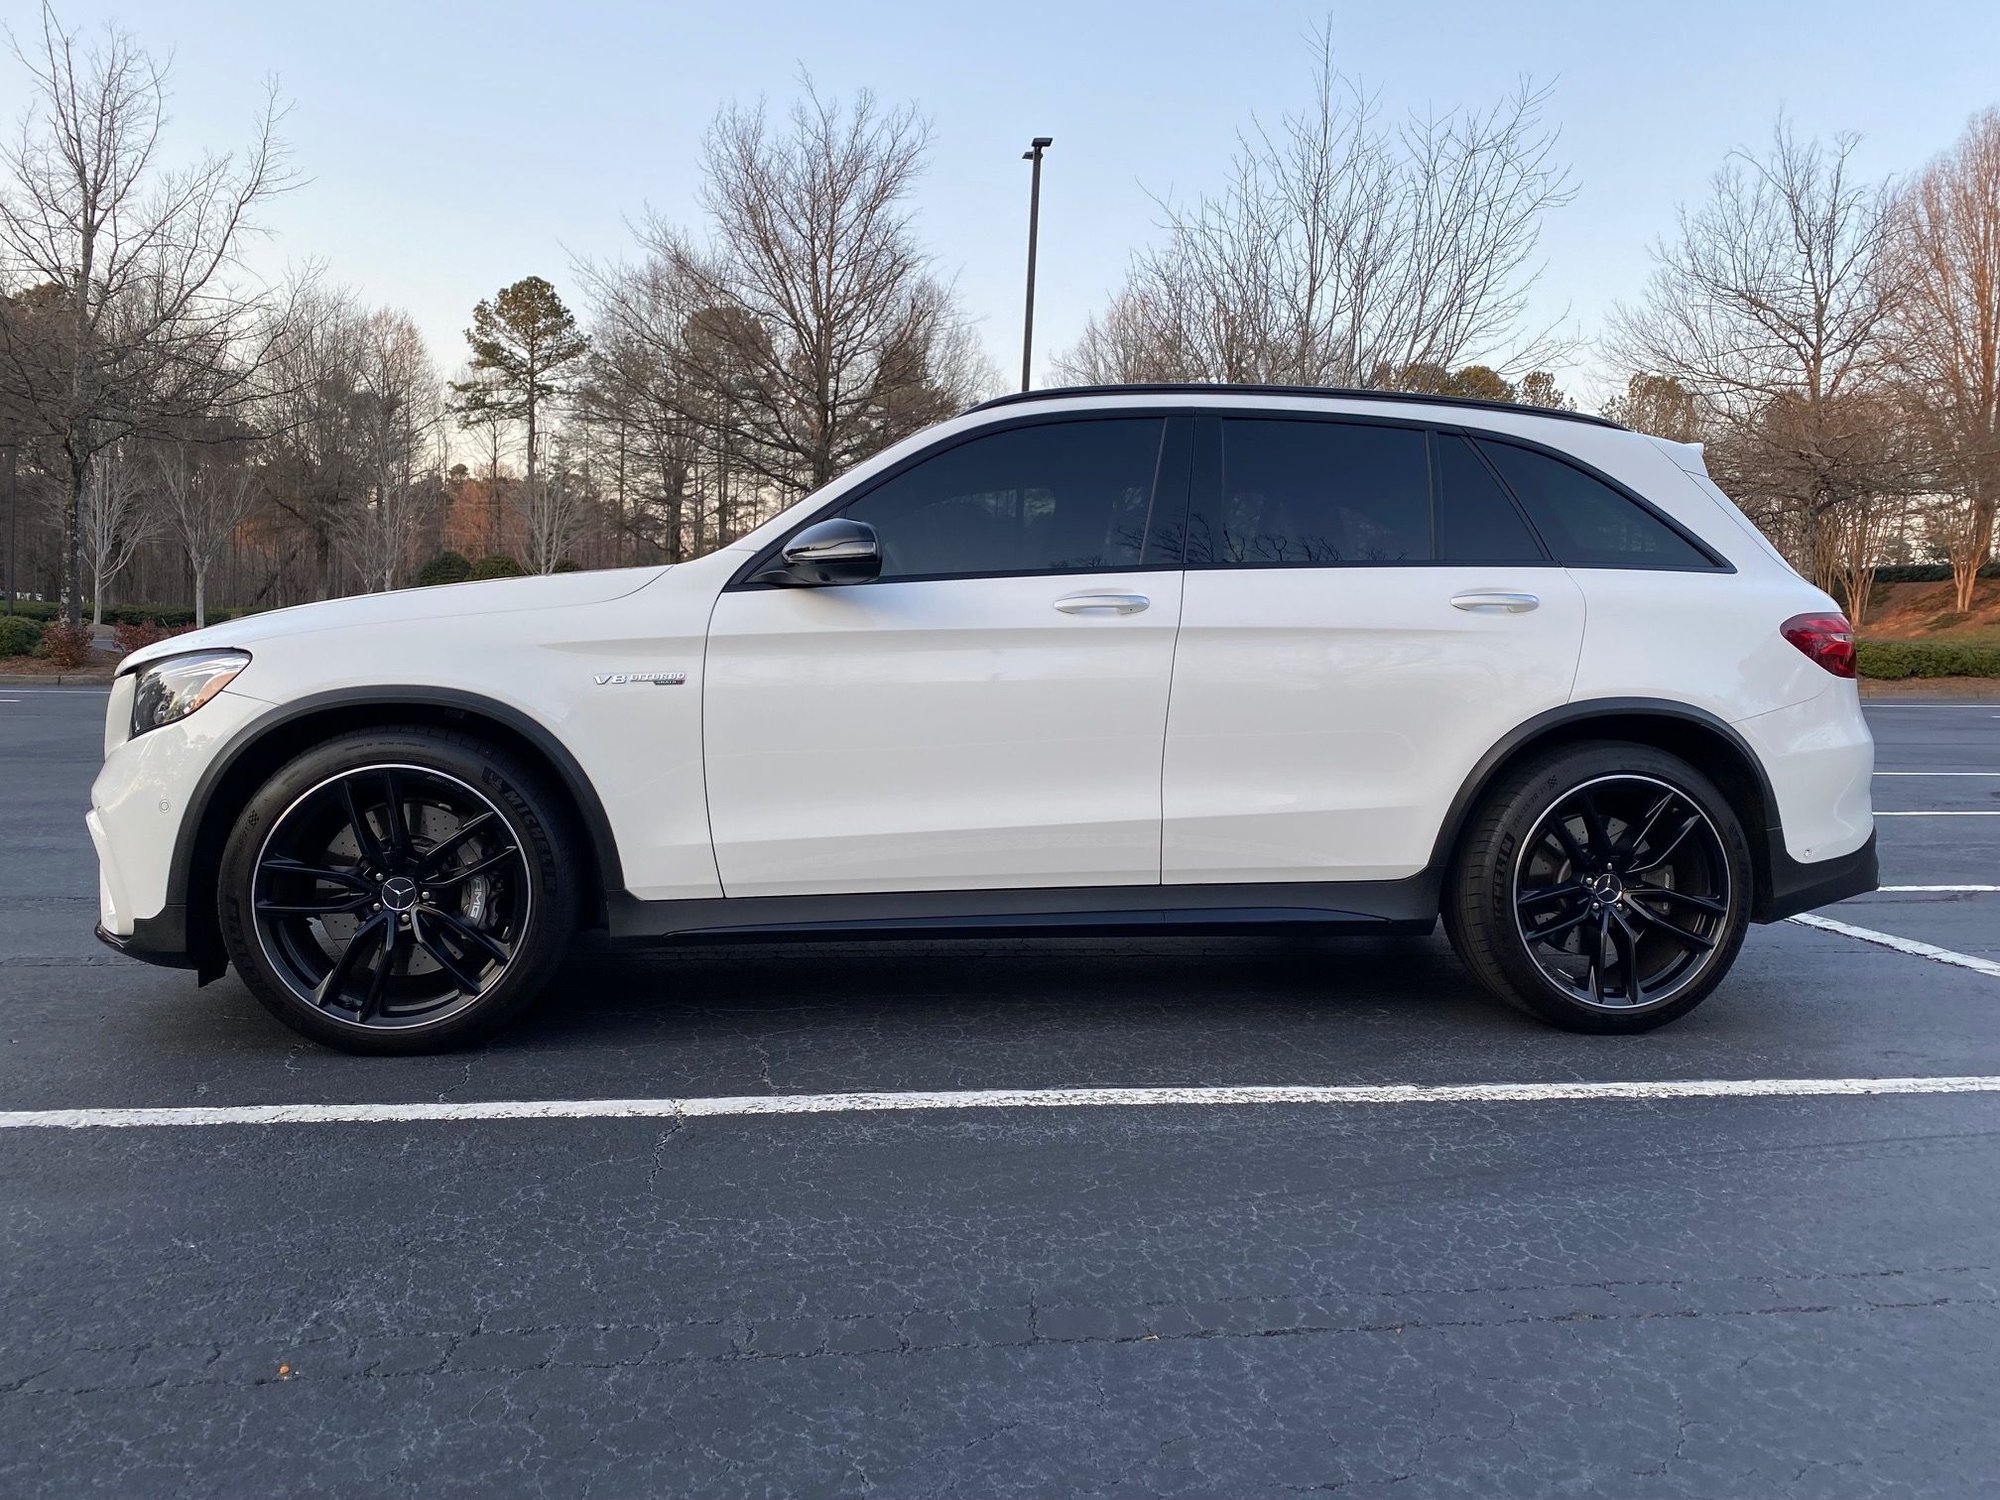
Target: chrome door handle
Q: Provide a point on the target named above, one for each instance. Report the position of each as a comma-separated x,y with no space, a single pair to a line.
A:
1102,604
1495,602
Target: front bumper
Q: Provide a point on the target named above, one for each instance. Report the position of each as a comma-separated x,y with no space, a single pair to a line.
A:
158,940
140,806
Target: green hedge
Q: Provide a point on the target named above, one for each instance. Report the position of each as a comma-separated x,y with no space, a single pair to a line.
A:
495,567
446,567
1927,659
1927,573
18,636
172,616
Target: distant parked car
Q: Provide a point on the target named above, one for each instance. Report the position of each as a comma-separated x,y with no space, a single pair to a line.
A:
1137,658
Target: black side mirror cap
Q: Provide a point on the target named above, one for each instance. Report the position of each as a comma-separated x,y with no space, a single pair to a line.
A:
829,552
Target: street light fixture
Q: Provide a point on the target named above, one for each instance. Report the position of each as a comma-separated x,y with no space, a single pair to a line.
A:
1034,154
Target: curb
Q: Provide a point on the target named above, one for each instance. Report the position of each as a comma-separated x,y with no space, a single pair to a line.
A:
60,679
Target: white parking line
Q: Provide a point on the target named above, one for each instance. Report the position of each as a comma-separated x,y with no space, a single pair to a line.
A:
835,1104
1968,888
1981,814
1901,944
1938,773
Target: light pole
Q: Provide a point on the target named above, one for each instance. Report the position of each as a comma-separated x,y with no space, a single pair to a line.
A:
1033,154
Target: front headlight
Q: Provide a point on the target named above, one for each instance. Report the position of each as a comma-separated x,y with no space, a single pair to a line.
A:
175,687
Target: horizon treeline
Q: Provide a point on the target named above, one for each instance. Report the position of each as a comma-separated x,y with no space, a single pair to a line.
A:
175,431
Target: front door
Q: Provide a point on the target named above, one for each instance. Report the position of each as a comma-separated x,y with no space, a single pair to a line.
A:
991,711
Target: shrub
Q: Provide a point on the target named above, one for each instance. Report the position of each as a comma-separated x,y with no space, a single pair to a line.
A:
1926,573
131,637
496,567
167,616
67,647
18,637
567,565
446,567
1893,659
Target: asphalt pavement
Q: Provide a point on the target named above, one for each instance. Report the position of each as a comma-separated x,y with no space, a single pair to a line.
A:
1645,1296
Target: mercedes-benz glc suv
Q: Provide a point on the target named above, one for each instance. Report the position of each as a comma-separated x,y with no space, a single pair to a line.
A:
1146,659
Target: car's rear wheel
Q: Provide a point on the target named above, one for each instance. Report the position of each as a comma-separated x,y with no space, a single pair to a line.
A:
398,891
1603,887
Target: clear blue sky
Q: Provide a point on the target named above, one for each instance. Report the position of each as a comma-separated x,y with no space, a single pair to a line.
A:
455,147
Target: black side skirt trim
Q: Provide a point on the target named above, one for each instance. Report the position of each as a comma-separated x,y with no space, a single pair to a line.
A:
1381,907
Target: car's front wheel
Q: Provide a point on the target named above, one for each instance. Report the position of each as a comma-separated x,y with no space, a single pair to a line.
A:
398,891
1603,887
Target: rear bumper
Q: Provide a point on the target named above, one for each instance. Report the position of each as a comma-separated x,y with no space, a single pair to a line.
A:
1797,886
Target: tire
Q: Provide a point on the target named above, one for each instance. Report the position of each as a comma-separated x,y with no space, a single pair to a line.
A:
398,891
1558,861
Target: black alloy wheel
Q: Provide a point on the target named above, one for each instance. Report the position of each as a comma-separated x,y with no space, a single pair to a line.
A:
1601,886
1622,891
391,895
399,890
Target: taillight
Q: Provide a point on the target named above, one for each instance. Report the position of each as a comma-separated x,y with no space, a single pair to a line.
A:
1827,639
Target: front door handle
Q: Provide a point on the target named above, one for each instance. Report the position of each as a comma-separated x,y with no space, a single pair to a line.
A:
1495,602
1102,604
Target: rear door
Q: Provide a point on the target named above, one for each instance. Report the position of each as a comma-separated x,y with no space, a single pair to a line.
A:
1366,613
990,713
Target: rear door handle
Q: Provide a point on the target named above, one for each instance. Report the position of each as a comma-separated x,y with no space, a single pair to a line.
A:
1102,604
1495,602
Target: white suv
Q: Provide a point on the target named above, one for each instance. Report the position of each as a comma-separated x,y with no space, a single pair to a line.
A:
1146,659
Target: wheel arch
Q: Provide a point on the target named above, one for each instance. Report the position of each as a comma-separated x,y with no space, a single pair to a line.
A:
1701,738
260,747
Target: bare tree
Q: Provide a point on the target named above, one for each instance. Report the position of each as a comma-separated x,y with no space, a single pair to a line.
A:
147,319
1658,404
1771,305
115,520
1345,252
205,491
553,522
1946,336
398,414
829,335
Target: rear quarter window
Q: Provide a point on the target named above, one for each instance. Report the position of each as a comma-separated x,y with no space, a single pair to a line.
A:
1583,521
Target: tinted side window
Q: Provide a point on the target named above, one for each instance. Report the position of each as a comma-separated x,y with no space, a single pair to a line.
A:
1317,492
1058,497
1585,522
1476,522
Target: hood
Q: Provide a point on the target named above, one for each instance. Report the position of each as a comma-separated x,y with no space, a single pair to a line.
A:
451,600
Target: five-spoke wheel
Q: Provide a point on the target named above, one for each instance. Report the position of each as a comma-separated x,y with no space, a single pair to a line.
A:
1602,886
1621,890
385,900
391,894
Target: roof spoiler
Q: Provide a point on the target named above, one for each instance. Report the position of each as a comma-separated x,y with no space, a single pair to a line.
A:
1687,457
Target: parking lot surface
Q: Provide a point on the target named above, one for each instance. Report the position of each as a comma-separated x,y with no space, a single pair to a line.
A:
1493,1295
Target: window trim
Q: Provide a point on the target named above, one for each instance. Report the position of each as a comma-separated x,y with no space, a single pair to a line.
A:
1438,436
741,581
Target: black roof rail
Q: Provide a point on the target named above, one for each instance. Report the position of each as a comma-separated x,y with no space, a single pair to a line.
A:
1344,393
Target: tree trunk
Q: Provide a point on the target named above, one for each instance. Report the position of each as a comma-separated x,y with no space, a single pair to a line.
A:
70,596
1966,564
200,596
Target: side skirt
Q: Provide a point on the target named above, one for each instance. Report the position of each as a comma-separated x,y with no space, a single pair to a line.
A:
1378,908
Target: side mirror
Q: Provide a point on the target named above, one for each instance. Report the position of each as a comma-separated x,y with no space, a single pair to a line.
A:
827,552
